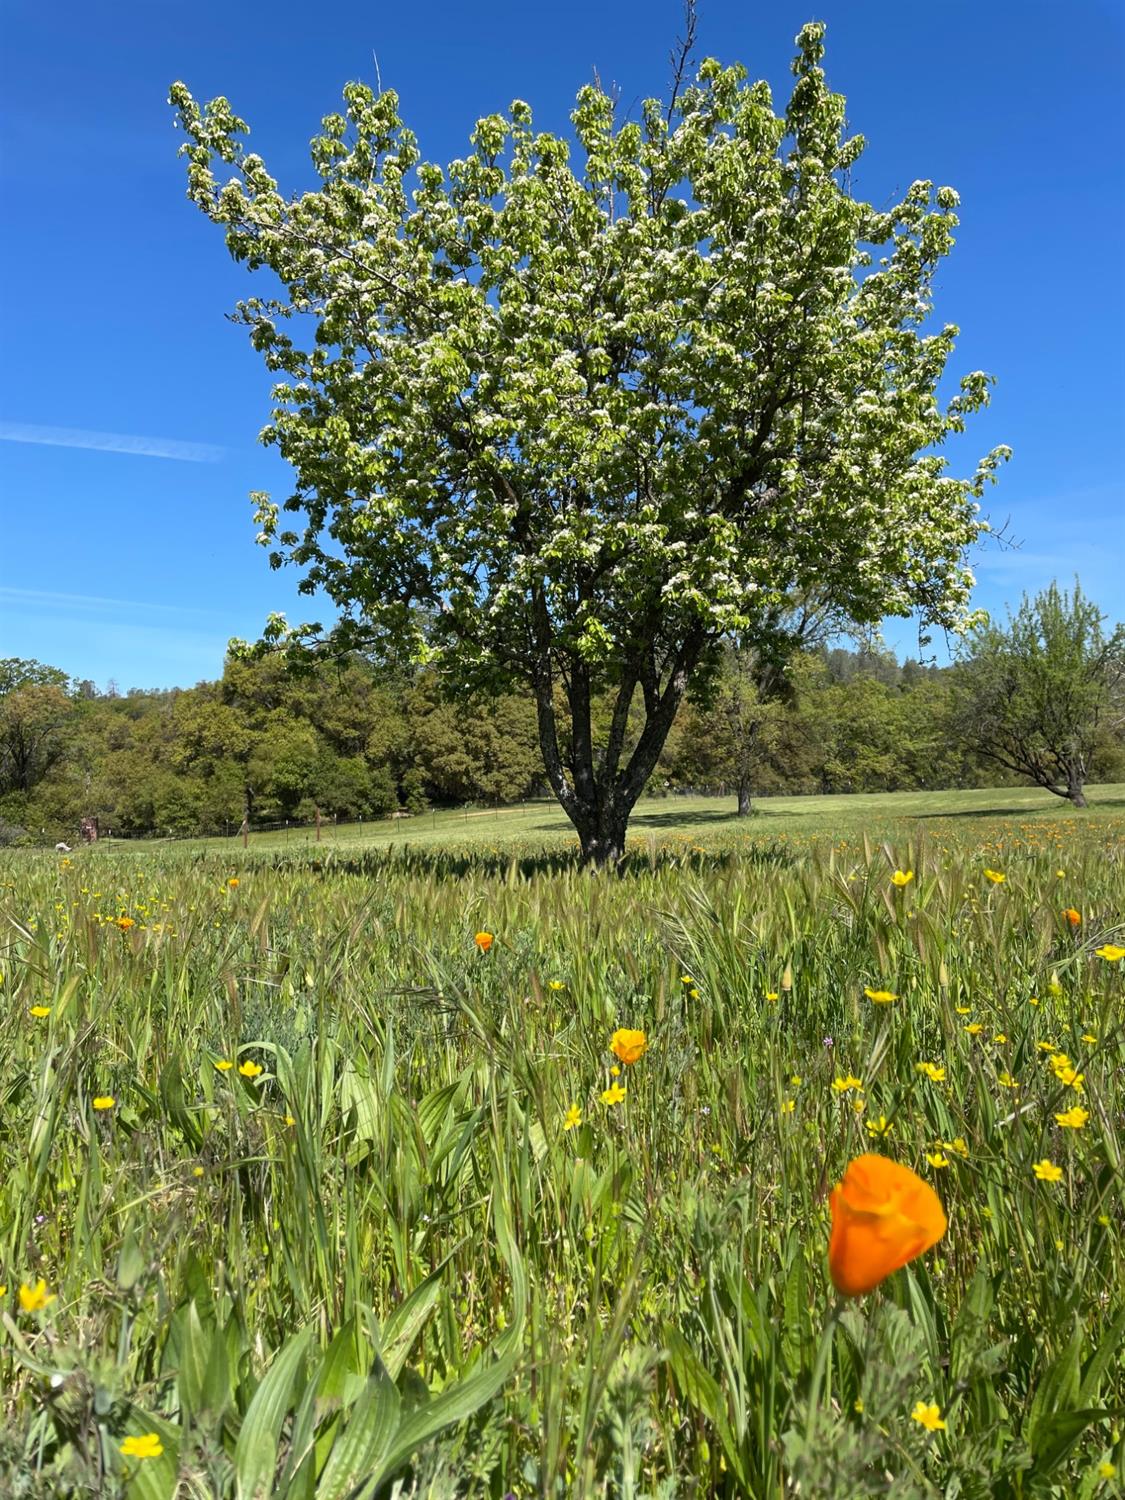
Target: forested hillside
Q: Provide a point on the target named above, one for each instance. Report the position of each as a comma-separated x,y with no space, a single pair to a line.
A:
266,743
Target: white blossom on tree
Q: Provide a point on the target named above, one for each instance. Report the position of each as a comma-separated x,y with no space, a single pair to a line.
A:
567,414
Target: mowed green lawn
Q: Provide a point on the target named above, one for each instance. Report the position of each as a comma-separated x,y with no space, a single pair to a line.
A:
306,1192
705,822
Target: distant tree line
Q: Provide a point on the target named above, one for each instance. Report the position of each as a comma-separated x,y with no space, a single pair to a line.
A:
265,745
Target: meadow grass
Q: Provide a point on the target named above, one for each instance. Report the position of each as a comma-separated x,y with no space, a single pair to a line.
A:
332,1237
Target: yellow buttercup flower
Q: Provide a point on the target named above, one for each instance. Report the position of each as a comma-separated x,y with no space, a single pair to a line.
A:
147,1446
974,1028
572,1118
35,1298
880,1127
788,1106
933,1071
224,1064
1047,1171
250,1069
1007,1080
996,876
902,877
104,1101
1112,952
937,1159
39,1011
881,997
555,984
771,996
1074,1118
929,1416
615,1094
962,1010
846,1085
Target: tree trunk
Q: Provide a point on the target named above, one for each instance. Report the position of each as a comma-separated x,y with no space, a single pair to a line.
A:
1075,793
745,807
603,840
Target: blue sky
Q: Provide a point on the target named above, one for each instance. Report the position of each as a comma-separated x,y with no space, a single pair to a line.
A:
129,406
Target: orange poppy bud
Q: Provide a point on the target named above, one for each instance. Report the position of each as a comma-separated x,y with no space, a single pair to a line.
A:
628,1045
883,1215
1073,916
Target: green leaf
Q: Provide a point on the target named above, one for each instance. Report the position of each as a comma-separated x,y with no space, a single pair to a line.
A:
255,1454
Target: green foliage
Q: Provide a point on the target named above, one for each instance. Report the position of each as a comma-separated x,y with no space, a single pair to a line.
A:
570,425
383,1258
1033,697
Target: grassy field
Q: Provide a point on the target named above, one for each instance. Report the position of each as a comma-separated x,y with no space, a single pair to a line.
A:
303,1194
679,822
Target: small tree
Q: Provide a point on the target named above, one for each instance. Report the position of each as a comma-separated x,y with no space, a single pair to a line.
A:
570,429
1033,696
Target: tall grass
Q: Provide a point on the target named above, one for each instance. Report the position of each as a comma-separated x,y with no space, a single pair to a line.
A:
382,1261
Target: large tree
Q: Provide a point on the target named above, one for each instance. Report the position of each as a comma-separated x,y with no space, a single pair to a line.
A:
1034,696
570,427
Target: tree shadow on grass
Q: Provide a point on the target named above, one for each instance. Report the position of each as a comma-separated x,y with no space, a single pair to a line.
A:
436,864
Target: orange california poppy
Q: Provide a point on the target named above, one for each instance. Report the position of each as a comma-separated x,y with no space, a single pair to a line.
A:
483,941
628,1045
1073,916
883,1215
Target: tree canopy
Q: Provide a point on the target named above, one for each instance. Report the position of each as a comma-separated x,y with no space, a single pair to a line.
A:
570,425
1033,696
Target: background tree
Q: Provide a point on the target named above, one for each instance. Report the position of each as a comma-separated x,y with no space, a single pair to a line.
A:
1034,697
571,428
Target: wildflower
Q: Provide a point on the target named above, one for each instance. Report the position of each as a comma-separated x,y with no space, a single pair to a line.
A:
232,883
1007,1081
104,1101
39,1011
35,1298
125,923
555,984
1046,1171
1089,1038
996,876
1033,1000
932,1071
928,1417
628,1045
974,1028
290,1120
788,1106
1106,1470
1073,916
1060,874
615,1071
771,996
828,1042
795,1080
962,1010
958,1144
572,1118
197,1171
484,941
148,1446
902,877
1046,1046
883,1215
937,1159
1073,1118
858,1405
686,979
880,1127
1000,1037
224,1064
614,1094
846,1085
250,1069
1111,952
1072,1078
881,997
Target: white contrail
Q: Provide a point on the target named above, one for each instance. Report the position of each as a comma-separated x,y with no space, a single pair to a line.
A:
110,442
